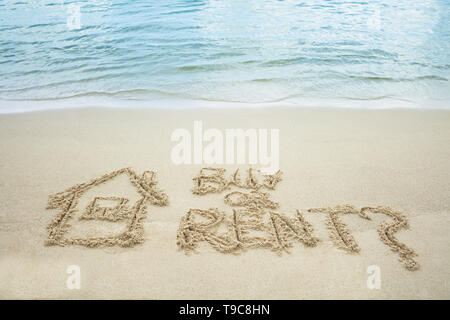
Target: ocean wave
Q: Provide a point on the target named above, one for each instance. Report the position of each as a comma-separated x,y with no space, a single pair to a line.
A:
261,52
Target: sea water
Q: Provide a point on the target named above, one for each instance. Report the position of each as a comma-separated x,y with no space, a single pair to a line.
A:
179,53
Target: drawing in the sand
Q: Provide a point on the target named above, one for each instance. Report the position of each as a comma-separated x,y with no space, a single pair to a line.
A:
252,224
255,225
111,208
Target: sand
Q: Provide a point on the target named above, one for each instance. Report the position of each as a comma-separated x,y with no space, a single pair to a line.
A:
329,157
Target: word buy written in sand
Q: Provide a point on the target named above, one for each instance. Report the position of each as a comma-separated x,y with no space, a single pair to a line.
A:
254,224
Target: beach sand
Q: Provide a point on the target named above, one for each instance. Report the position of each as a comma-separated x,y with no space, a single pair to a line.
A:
329,157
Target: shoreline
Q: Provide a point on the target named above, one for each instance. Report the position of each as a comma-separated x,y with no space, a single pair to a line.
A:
329,157
174,103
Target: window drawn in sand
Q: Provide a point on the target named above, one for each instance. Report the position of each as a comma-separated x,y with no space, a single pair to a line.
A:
253,223
92,214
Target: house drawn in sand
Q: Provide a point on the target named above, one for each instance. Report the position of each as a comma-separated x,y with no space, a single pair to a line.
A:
82,203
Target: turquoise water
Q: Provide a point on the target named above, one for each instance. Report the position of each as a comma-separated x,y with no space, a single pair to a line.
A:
331,53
